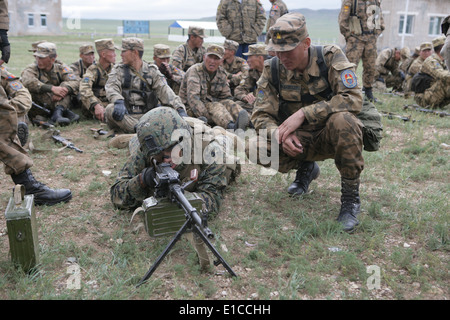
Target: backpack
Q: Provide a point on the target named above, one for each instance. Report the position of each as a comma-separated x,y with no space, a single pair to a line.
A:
369,115
421,82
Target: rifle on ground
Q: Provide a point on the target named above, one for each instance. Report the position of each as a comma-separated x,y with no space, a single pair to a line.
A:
426,110
57,138
168,185
391,115
47,111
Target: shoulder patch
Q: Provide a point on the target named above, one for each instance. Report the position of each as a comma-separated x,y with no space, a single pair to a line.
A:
16,85
349,79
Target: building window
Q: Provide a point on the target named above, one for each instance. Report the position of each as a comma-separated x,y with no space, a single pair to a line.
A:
434,28
409,24
43,20
31,20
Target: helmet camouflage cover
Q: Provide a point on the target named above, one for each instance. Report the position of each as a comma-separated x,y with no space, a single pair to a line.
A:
155,130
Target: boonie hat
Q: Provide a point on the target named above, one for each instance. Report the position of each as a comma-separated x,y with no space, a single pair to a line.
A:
287,32
45,49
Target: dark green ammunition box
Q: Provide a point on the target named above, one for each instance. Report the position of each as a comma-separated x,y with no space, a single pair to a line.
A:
22,229
163,218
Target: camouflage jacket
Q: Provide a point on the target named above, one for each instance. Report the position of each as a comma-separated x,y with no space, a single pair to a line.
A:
435,67
347,96
183,57
139,87
369,15
278,9
386,63
415,66
242,23
38,81
92,86
247,85
4,16
238,65
128,193
19,96
199,87
79,68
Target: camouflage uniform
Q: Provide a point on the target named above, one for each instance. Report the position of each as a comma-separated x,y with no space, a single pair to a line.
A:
92,85
445,51
241,21
415,67
40,83
209,96
174,76
19,96
278,9
128,192
438,94
387,68
237,70
184,57
78,67
141,90
362,46
331,129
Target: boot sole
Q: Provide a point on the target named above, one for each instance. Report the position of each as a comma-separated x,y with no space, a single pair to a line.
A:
52,203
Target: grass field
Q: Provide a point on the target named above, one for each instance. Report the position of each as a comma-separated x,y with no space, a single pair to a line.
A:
282,248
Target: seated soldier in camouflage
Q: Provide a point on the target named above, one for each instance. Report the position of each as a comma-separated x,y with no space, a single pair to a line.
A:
388,74
87,58
135,87
445,51
206,93
245,92
92,85
438,94
52,85
425,51
191,52
174,75
236,67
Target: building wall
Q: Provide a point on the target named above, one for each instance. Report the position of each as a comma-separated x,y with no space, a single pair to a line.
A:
35,17
423,22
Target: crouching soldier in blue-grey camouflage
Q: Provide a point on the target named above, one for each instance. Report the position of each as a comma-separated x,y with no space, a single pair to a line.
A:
311,113
135,87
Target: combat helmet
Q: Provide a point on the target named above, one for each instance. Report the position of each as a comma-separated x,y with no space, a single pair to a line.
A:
155,130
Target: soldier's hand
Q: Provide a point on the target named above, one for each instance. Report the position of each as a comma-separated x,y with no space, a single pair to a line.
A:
290,125
5,47
165,70
60,91
147,177
292,146
99,112
119,110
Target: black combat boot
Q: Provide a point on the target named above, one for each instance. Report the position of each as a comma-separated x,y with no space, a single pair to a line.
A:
242,120
307,172
43,195
350,204
58,118
69,114
369,95
22,132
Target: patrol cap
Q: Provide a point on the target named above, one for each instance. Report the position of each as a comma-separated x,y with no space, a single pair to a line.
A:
161,51
34,45
287,32
105,44
231,45
45,49
416,51
86,49
197,31
438,41
405,52
426,46
215,50
256,50
132,44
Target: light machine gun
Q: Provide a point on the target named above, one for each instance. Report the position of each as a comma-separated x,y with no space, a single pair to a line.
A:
168,185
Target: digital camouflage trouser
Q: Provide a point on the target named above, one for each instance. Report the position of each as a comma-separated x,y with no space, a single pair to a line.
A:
366,51
221,112
340,139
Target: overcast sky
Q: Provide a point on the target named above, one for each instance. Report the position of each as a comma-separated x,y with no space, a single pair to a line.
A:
166,9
